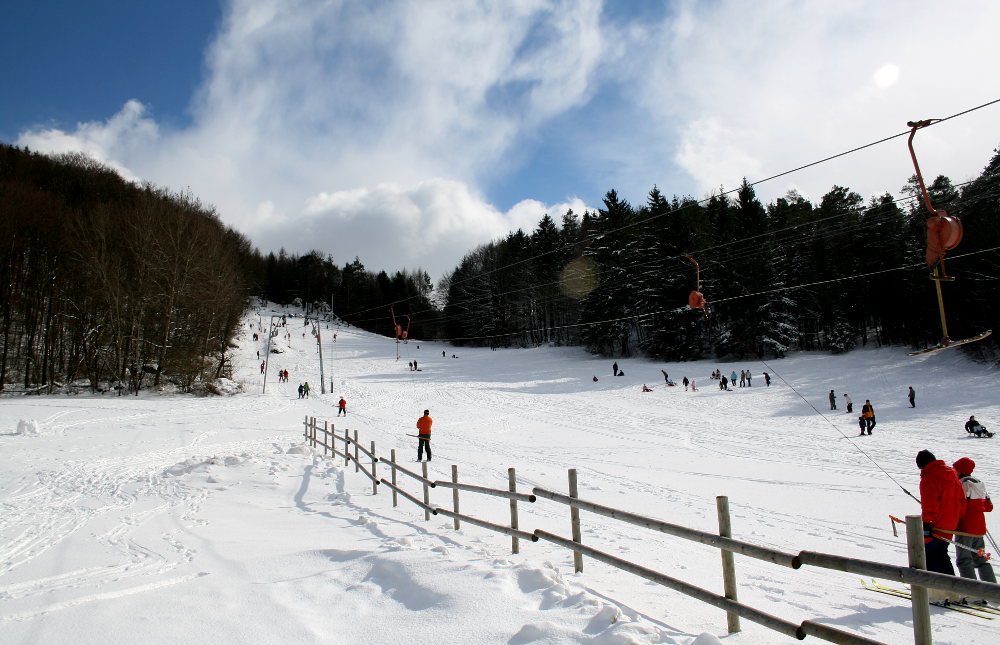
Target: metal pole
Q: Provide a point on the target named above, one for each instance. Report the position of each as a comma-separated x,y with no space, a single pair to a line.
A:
515,544
427,493
267,354
395,496
322,378
574,518
454,493
728,565
918,594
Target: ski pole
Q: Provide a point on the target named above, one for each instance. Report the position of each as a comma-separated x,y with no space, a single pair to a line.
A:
980,552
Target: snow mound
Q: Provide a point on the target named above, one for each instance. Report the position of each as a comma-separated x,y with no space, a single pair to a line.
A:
299,450
706,639
224,387
28,427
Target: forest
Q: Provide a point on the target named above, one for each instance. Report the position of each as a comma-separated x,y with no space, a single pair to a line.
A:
110,284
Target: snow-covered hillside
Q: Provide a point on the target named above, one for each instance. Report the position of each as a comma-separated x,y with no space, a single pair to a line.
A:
175,519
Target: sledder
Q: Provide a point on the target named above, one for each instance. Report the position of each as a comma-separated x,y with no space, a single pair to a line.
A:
974,427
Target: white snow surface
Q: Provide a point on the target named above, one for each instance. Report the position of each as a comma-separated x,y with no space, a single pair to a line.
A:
169,518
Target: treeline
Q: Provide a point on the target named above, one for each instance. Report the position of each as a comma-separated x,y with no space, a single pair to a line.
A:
111,284
789,275
355,294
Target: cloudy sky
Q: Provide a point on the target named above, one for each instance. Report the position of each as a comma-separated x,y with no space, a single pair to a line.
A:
407,132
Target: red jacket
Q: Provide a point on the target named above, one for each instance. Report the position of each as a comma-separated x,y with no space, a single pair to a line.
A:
343,403
942,499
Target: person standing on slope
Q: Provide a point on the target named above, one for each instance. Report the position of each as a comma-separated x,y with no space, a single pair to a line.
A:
868,412
424,435
942,504
614,368
833,400
912,396
342,407
977,503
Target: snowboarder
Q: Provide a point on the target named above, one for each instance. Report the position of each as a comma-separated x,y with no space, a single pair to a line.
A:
868,412
424,435
912,396
342,407
977,502
614,368
850,403
833,400
685,382
942,504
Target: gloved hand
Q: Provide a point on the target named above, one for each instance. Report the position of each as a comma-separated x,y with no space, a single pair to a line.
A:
928,527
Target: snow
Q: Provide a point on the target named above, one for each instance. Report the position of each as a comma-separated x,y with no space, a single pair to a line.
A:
169,518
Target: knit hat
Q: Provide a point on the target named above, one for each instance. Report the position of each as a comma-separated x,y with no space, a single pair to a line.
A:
964,466
925,457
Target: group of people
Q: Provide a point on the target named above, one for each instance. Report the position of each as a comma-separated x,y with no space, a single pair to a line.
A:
866,420
413,366
953,504
282,376
304,390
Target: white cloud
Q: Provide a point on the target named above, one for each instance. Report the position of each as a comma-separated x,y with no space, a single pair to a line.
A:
886,76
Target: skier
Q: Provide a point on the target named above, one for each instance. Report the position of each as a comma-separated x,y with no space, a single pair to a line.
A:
685,382
942,504
912,396
614,369
342,409
833,400
850,404
977,502
868,412
424,435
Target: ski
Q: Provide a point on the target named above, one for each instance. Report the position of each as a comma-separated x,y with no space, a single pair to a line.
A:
955,343
972,610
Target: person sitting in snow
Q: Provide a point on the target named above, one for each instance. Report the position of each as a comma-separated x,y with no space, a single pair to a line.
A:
645,389
974,427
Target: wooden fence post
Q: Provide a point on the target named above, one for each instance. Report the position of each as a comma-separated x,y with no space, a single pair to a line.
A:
515,545
374,476
574,518
305,428
395,495
326,437
312,426
357,468
454,493
918,594
347,447
427,492
728,564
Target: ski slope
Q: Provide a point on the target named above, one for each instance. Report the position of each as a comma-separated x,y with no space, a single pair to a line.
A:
169,518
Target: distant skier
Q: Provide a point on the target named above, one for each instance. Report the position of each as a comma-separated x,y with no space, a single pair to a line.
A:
912,396
973,521
850,403
342,407
614,368
424,435
833,400
868,412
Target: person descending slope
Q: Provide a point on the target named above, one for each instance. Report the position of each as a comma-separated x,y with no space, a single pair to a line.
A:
424,435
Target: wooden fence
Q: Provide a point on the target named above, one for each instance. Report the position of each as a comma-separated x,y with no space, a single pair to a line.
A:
325,436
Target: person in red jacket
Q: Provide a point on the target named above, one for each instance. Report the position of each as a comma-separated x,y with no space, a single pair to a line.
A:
942,504
977,502
343,407
424,435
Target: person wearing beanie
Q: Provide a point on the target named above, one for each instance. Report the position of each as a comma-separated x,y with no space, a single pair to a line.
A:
942,504
973,521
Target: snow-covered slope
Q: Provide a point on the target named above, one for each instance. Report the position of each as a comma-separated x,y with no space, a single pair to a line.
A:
175,519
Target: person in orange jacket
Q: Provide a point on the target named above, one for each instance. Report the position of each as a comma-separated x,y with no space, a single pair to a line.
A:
977,502
424,435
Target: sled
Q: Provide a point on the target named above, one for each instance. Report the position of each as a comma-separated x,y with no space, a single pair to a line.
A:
949,344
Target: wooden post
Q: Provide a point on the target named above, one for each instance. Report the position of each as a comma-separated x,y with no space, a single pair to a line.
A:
515,545
728,564
305,428
454,493
574,518
347,448
918,594
374,476
357,452
312,426
395,495
427,492
326,437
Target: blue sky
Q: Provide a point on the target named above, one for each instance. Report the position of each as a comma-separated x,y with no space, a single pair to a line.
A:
407,132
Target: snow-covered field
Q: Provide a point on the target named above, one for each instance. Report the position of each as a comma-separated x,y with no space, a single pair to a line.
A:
177,519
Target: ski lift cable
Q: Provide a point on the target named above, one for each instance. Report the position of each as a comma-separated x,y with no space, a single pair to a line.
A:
733,190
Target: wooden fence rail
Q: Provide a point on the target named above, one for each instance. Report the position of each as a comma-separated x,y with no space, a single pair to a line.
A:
916,576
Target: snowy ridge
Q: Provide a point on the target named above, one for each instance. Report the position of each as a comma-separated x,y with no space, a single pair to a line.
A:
181,519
